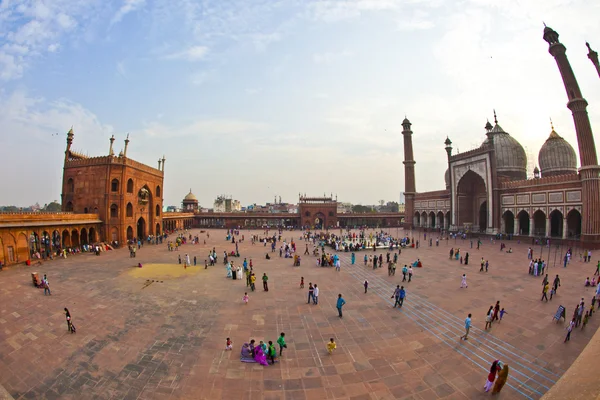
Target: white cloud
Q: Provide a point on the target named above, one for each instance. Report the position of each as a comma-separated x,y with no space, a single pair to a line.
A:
31,29
128,6
420,20
208,127
121,68
193,53
330,57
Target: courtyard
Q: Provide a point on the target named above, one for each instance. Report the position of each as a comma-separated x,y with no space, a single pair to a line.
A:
159,332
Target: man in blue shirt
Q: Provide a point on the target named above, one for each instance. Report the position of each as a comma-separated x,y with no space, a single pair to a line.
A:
340,304
467,328
399,294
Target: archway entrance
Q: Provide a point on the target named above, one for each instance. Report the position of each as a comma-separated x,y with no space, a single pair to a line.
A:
141,228
472,204
92,235
75,238
319,220
573,223
440,220
129,233
417,219
83,237
523,223
483,213
157,229
424,219
556,224
539,223
432,219
509,222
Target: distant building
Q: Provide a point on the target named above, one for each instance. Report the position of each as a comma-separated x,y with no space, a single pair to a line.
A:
225,204
344,208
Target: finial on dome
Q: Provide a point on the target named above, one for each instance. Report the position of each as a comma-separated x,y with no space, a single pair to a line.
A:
551,124
495,118
488,126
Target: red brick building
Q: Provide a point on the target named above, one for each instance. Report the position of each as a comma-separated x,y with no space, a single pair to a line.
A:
125,195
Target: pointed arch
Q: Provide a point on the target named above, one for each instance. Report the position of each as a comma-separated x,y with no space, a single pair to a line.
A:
539,223
129,210
556,223
130,185
574,223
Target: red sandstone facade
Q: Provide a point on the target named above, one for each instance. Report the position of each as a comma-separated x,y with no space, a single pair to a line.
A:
124,194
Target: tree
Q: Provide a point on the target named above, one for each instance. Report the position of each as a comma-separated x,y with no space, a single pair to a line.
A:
10,209
394,206
53,207
360,209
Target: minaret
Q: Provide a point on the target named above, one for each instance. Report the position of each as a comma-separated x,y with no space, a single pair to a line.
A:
69,143
409,175
589,171
110,150
593,56
163,160
126,144
448,148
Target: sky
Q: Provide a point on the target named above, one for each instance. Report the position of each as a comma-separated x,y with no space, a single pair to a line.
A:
257,98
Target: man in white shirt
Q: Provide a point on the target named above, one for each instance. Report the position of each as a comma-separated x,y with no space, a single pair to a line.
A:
316,295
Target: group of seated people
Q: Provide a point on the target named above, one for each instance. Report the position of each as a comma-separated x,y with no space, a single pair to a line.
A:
592,283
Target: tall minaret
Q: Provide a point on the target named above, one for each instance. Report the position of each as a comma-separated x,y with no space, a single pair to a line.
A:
589,171
69,143
409,175
593,56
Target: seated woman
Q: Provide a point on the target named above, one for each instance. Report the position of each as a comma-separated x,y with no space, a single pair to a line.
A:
587,281
509,250
246,354
268,257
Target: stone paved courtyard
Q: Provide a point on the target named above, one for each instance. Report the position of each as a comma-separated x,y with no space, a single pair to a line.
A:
165,340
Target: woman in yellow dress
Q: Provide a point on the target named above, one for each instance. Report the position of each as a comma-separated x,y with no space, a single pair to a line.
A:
501,380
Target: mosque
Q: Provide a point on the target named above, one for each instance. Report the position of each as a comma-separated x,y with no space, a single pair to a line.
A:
488,191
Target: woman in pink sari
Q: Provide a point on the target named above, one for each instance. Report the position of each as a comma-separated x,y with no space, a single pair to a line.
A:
260,356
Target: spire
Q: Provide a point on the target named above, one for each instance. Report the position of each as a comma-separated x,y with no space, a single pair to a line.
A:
126,144
593,56
448,147
163,162
110,150
159,161
495,118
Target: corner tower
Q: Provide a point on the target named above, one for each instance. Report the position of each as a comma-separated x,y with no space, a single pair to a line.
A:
589,172
409,175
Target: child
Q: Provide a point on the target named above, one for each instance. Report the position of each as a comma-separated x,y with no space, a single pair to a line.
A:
463,284
569,329
281,343
366,285
205,265
245,298
331,346
502,312
229,344
593,305
585,320
587,281
301,282
272,352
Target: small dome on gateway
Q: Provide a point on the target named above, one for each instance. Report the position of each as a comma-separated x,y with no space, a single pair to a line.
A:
190,197
557,157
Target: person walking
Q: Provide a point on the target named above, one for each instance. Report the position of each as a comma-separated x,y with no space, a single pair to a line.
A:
502,377
397,296
556,283
265,278
340,303
488,317
69,323
404,272
545,292
463,283
410,273
316,295
366,284
353,258
467,328
281,342
311,292
569,330
46,286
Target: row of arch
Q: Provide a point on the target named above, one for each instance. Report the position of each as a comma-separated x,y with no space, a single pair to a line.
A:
432,219
554,224
19,247
173,224
114,186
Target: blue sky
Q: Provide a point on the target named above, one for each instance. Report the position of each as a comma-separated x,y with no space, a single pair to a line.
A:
255,98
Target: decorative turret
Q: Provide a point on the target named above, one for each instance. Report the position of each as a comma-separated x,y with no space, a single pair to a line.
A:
70,136
163,163
110,150
126,144
448,147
